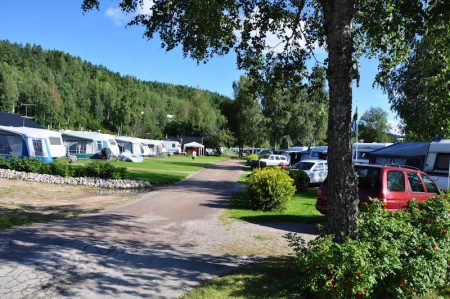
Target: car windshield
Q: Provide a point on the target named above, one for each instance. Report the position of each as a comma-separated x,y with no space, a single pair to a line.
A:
303,165
265,156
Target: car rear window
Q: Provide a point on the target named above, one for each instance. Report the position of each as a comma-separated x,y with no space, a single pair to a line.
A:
368,178
415,182
431,187
396,181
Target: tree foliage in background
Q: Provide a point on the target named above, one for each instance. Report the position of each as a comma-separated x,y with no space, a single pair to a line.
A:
419,91
71,93
373,126
244,115
347,29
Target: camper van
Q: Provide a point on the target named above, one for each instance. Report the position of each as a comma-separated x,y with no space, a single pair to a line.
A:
437,163
86,144
360,151
31,142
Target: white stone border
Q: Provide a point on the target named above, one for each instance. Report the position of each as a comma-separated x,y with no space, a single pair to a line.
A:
56,179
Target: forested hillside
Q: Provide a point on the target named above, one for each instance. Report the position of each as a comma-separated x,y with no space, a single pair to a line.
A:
68,92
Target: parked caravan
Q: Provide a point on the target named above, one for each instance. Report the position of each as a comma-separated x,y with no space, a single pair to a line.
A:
437,163
172,147
87,145
157,147
131,144
30,142
360,151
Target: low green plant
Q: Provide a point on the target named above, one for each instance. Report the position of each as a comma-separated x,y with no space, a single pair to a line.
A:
301,179
396,254
269,189
93,169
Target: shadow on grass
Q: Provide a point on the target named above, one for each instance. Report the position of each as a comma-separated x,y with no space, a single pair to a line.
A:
271,278
26,214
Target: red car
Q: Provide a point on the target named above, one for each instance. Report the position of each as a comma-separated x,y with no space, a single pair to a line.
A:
395,185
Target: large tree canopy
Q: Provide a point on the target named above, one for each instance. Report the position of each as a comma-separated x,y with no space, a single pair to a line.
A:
345,28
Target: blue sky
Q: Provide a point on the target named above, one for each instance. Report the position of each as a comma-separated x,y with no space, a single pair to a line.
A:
101,38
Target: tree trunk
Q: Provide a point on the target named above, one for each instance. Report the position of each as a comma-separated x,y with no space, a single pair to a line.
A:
342,184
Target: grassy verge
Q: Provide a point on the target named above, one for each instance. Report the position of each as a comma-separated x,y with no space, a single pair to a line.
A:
272,278
275,277
163,171
18,217
300,209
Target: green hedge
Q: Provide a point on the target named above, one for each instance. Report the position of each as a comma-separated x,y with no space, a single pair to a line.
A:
97,169
270,189
396,255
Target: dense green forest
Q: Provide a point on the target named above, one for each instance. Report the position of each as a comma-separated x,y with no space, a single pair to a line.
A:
70,93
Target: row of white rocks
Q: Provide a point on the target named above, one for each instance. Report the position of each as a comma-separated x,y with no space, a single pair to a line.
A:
56,179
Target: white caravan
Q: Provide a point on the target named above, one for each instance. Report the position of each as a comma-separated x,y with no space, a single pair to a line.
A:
31,142
172,147
437,163
364,149
131,144
87,144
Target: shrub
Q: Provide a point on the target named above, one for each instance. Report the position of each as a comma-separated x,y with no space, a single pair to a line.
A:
251,158
93,169
270,189
396,255
301,179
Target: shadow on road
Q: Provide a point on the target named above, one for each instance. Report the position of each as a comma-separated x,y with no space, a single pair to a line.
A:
89,256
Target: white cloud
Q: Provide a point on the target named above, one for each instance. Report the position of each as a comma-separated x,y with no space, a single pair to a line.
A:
118,17
121,19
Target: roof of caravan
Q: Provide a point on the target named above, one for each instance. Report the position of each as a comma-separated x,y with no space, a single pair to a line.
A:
128,139
85,135
403,149
371,145
33,132
152,141
16,120
441,146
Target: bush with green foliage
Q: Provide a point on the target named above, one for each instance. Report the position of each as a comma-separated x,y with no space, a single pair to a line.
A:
301,179
251,157
270,189
94,169
396,254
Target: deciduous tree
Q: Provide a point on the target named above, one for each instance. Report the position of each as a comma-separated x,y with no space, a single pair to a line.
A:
346,28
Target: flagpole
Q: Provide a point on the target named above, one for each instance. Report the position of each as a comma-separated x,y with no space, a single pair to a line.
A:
356,125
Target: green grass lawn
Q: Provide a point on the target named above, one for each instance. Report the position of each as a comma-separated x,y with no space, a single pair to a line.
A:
275,277
272,278
165,170
301,208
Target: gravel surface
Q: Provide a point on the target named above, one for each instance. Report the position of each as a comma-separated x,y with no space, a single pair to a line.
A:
157,246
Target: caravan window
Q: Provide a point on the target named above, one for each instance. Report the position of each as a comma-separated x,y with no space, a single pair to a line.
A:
442,162
99,145
112,142
77,147
38,147
55,140
11,145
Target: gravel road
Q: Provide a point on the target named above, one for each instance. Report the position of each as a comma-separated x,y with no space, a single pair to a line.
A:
159,245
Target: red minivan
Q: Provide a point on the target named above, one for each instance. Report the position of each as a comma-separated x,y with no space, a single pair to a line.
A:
394,184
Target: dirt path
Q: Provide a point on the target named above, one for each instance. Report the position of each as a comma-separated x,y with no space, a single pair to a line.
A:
157,246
